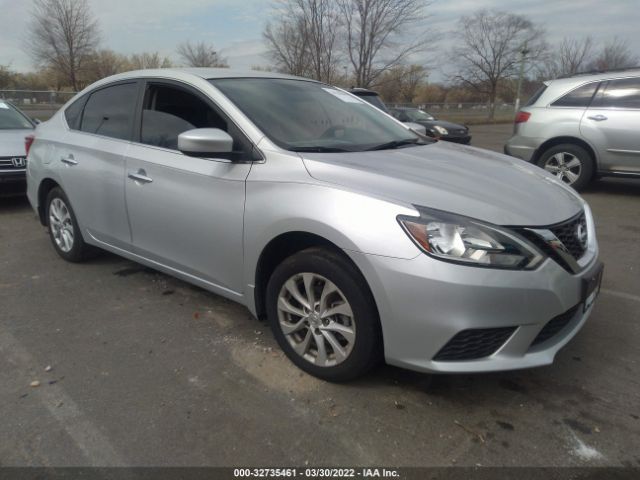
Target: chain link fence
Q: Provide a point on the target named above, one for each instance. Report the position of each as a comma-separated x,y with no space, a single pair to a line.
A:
40,104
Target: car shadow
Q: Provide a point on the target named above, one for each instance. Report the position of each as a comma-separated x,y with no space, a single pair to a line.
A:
14,203
614,186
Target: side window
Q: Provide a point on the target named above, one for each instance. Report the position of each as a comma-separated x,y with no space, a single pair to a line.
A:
578,97
109,111
624,93
73,113
168,111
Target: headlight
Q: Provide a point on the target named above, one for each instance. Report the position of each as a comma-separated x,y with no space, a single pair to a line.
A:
441,130
464,240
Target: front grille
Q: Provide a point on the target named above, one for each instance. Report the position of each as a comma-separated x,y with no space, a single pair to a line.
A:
567,233
554,326
475,343
6,163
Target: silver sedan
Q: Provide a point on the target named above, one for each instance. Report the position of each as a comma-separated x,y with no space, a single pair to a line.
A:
357,239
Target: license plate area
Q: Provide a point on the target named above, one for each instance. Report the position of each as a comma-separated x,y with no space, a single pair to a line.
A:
591,287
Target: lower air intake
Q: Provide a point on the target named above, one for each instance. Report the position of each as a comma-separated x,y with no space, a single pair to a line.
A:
475,343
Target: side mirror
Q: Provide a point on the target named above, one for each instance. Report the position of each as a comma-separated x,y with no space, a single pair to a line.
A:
205,142
36,121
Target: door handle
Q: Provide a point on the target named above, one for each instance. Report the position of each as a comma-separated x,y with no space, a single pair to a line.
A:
69,160
140,176
597,118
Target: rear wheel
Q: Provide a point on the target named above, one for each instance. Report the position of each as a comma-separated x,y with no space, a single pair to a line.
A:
323,315
63,228
570,163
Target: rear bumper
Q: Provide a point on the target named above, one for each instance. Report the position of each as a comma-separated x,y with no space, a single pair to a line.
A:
521,147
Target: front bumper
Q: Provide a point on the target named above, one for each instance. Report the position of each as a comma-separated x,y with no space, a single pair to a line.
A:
424,303
465,140
13,182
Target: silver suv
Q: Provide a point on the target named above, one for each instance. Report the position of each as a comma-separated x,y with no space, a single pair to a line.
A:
355,237
582,127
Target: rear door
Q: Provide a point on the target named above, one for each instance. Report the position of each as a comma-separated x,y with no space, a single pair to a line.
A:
91,160
612,122
187,213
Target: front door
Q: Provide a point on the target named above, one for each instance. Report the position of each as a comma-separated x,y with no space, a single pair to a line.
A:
186,213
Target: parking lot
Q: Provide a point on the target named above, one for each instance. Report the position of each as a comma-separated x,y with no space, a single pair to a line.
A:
148,370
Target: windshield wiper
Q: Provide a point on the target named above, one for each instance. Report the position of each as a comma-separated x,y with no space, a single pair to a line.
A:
319,149
396,144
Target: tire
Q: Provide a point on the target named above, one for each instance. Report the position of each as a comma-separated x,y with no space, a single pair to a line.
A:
569,163
353,327
63,228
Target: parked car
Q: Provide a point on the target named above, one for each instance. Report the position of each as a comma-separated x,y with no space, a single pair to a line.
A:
355,237
582,127
451,132
14,127
374,99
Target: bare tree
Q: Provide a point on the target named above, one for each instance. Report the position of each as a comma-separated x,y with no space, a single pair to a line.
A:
287,46
614,54
145,60
104,63
200,55
571,56
62,36
304,40
379,35
488,50
400,84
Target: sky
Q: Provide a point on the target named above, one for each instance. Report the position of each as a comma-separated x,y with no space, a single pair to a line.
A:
235,26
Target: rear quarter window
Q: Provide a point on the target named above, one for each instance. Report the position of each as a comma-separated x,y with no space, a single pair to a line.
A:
534,98
74,112
578,97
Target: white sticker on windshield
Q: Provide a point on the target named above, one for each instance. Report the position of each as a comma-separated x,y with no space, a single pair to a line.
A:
4,105
345,97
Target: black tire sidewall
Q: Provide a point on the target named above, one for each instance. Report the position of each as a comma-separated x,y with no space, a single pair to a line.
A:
78,251
367,349
586,175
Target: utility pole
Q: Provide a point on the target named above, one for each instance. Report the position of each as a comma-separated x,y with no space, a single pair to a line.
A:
523,54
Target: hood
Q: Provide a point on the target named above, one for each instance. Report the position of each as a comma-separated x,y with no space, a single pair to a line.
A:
12,142
468,181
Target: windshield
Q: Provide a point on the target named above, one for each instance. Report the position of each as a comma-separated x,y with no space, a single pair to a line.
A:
299,115
417,115
11,119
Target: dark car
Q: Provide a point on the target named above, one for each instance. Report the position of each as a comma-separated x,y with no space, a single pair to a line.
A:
374,99
14,127
452,132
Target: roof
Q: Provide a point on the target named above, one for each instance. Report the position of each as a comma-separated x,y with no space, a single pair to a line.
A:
192,74
211,73
362,91
581,78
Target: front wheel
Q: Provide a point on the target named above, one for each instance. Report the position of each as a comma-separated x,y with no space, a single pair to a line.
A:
570,163
323,315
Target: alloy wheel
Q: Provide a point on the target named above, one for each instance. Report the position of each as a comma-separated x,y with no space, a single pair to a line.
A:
61,224
316,319
565,166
